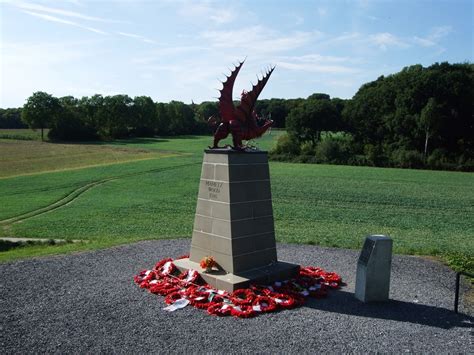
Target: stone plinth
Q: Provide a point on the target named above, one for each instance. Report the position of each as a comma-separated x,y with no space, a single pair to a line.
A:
373,269
234,221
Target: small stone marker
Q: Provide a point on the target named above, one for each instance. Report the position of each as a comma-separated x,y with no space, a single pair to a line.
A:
373,269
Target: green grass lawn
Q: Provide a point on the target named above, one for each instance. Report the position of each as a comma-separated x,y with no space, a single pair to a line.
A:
425,212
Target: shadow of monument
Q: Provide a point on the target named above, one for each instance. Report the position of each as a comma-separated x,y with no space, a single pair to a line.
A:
345,303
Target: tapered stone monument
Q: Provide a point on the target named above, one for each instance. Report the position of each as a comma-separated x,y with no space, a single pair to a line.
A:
234,221
373,269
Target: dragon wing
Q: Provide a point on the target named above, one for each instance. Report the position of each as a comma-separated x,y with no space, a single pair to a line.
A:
226,104
247,103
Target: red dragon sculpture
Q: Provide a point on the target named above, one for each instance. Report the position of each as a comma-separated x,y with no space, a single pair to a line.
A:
241,121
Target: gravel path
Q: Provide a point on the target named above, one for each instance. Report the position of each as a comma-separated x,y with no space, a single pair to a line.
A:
87,302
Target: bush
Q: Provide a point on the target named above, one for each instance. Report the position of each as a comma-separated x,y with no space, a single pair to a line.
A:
307,148
402,158
306,159
359,160
438,159
465,163
333,151
286,144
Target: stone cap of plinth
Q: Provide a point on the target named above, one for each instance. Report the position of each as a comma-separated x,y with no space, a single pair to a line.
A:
221,280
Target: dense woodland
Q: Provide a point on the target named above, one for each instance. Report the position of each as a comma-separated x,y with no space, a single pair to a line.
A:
417,118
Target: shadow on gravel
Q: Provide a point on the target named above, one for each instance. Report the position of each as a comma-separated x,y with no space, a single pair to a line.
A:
345,303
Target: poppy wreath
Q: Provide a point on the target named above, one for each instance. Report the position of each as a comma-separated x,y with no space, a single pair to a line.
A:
167,269
259,290
267,304
333,279
173,297
188,276
162,287
203,305
243,311
243,296
199,299
166,290
216,298
138,278
219,309
164,279
161,263
311,271
284,301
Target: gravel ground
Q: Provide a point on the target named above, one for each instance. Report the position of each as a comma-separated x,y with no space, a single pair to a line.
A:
87,302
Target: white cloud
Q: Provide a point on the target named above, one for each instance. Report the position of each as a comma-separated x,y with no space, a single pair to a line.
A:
258,39
424,42
317,64
63,21
41,8
135,36
156,55
344,37
316,68
322,11
385,40
131,35
74,2
205,10
440,32
299,20
435,35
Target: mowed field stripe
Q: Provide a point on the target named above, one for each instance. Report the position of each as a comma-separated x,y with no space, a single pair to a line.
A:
79,191
62,202
91,166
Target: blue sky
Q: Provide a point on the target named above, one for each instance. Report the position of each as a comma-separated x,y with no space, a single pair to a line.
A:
180,50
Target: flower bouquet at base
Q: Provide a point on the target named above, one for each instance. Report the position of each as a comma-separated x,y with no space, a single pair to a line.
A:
208,263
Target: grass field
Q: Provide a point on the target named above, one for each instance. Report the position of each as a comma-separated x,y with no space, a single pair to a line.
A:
425,212
23,157
23,134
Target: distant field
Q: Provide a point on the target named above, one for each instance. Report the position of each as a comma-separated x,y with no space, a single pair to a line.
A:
20,157
425,212
22,134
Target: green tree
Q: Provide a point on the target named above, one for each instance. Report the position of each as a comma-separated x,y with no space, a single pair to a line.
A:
181,118
115,116
162,120
11,118
144,115
309,119
40,111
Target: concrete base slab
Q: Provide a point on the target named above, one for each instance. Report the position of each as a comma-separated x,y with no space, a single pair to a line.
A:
221,280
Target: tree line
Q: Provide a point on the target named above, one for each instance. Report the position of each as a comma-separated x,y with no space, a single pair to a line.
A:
109,117
120,116
419,117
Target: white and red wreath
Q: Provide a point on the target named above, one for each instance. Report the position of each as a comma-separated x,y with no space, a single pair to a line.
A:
189,288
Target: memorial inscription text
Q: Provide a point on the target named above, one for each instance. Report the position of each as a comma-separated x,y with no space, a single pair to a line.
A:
214,188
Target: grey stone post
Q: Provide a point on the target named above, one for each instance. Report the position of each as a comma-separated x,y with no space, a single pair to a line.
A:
373,269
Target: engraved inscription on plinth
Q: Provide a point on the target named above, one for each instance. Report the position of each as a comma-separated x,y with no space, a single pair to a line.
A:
234,219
